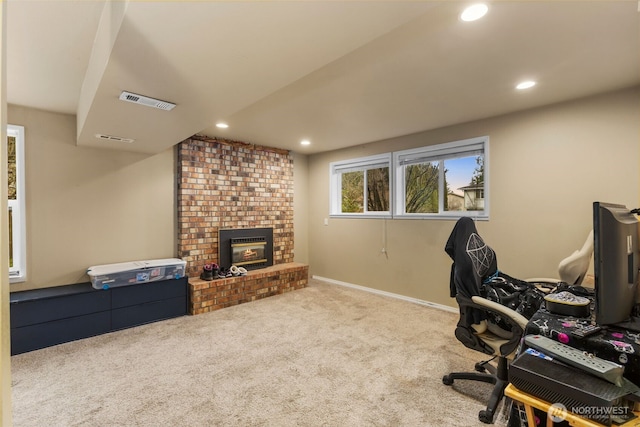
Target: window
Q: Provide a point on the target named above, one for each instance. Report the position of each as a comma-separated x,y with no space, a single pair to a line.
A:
446,180
361,187
17,235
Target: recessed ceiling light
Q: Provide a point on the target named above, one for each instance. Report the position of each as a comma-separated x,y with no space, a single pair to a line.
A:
474,12
222,125
525,85
305,142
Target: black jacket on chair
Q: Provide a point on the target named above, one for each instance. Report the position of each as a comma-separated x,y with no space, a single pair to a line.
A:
473,262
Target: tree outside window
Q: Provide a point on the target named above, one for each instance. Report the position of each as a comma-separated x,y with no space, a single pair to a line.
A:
361,187
444,180
16,205
421,188
371,185
11,172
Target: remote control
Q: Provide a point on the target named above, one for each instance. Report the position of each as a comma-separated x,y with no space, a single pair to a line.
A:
601,368
585,331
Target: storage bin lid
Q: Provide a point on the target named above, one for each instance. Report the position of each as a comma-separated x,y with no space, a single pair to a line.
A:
101,270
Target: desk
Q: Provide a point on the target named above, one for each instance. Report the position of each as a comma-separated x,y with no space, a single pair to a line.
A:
529,402
614,344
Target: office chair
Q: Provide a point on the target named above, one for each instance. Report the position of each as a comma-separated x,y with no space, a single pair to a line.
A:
478,328
573,268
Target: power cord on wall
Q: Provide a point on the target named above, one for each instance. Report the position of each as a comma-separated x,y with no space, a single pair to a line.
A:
384,239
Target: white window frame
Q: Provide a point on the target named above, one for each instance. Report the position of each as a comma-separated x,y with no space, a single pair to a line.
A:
396,162
336,169
18,273
440,152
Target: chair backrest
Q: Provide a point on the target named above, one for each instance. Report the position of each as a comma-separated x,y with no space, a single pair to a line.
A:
473,261
573,268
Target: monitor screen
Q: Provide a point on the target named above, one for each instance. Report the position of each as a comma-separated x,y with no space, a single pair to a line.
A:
615,232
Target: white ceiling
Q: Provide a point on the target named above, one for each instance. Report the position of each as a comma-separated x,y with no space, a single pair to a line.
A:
338,73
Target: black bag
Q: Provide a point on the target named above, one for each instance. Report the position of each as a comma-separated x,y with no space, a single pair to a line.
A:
518,295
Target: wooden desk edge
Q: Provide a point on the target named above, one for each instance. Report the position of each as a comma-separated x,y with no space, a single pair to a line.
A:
575,420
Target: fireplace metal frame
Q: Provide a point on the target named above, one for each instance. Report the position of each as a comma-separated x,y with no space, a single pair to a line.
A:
227,236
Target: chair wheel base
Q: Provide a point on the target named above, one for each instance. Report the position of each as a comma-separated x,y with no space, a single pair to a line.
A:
447,380
485,417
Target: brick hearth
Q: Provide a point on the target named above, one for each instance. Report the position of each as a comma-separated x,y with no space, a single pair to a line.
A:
257,284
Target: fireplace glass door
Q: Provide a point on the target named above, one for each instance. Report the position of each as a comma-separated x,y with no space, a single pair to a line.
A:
245,252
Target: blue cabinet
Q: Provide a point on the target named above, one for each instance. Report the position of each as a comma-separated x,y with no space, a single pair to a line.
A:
44,317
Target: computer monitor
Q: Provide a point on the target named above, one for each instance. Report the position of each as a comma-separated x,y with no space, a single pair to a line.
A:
615,233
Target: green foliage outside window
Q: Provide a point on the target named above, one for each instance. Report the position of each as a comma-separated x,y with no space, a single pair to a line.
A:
421,188
352,192
11,169
377,191
477,203
11,172
478,173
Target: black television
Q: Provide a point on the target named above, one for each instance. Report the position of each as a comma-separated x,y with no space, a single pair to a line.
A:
615,255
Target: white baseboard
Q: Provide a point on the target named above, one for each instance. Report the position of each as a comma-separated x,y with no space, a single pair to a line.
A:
388,294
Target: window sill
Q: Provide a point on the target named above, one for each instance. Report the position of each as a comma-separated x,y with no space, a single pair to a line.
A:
361,215
17,278
483,217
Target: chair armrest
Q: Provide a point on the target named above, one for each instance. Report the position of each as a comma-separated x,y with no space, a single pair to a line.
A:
543,280
505,311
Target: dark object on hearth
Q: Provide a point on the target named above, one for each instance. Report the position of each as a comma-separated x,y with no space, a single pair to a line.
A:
209,272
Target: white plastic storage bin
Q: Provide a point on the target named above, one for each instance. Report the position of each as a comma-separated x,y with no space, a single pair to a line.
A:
130,273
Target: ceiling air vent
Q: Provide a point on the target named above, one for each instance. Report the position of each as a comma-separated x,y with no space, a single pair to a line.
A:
145,100
114,138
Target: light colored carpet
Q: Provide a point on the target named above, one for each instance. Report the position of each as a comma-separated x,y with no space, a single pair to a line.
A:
321,356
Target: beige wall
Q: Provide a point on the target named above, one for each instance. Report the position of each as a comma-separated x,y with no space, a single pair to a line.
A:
90,206
546,167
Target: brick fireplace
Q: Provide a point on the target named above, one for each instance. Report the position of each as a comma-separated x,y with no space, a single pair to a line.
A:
226,184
